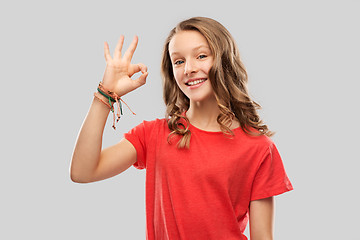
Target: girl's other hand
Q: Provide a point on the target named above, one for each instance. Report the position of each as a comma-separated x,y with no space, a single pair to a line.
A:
119,69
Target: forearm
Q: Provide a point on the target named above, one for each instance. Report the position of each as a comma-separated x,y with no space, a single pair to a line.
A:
87,150
262,219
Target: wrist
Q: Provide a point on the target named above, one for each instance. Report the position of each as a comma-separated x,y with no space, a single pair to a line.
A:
108,98
98,95
103,100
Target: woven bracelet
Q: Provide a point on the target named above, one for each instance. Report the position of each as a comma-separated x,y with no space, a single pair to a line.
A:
105,95
113,98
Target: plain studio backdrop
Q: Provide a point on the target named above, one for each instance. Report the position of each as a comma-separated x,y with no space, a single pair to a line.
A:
302,59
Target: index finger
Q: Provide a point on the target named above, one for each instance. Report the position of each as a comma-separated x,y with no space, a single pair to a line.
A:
130,51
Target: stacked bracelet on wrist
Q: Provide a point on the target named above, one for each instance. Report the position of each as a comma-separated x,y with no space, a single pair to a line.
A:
112,98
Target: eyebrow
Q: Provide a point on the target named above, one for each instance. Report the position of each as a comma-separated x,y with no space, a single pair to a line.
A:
194,49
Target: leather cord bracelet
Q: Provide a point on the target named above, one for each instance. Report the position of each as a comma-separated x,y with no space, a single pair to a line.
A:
112,98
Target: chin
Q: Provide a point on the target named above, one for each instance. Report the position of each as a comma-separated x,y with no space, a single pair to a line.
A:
204,93
202,98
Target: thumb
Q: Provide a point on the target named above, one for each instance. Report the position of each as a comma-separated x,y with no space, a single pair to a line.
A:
141,80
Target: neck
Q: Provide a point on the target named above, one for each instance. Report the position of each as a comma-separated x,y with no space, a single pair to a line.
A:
204,114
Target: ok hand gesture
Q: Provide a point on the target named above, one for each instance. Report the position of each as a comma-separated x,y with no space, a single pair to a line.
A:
119,69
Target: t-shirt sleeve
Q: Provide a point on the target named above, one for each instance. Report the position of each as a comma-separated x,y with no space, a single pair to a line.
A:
137,137
271,178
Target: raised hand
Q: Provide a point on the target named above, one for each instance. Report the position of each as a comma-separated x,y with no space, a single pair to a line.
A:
119,69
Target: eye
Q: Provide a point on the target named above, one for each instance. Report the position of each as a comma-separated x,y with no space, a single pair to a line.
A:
202,56
178,62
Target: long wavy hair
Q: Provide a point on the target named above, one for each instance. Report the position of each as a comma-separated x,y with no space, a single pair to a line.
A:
228,79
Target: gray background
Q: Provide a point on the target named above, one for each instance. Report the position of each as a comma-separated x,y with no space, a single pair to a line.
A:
303,63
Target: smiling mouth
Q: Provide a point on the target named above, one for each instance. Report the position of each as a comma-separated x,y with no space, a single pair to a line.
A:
192,83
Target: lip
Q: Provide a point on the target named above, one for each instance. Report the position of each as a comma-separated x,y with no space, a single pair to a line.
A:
194,79
197,85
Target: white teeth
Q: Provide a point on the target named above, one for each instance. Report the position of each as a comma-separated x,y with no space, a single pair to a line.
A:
195,82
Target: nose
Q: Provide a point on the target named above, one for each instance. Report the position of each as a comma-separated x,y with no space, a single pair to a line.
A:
190,67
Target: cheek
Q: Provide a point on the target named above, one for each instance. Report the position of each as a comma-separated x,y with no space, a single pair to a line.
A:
208,66
177,76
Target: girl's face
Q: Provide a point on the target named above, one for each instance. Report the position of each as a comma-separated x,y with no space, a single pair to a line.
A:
192,59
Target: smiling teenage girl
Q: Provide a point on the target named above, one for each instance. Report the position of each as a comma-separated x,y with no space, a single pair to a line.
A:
210,165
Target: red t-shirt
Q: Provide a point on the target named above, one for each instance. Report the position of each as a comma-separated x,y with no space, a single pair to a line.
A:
204,192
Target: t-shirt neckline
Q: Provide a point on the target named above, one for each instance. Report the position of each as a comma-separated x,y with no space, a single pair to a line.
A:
206,131
191,126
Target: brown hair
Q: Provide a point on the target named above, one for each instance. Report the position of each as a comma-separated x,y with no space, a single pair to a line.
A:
227,76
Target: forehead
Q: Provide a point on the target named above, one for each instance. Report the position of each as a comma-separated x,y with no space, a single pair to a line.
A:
185,41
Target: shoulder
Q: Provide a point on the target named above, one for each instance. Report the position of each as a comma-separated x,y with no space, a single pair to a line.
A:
252,142
153,126
254,137
156,123
147,130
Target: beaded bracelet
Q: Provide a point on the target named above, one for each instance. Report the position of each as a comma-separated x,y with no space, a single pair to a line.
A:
112,98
